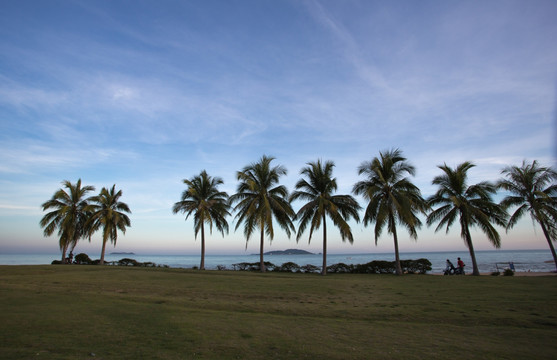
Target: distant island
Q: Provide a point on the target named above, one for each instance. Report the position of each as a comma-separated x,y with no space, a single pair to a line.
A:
122,253
288,252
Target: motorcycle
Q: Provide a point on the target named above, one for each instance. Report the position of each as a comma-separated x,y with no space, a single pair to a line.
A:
454,271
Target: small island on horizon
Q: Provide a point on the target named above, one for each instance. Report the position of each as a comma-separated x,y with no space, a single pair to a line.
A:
122,253
288,252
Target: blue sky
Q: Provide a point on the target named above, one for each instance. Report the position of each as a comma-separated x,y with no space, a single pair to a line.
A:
143,94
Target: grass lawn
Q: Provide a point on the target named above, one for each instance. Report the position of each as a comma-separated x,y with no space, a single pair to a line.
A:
94,312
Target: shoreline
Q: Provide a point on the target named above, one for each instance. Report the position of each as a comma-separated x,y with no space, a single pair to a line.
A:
516,274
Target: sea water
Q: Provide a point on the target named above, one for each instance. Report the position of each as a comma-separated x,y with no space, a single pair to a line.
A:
488,261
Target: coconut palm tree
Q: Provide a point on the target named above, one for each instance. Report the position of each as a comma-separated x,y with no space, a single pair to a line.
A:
69,215
108,212
471,204
209,205
318,190
393,198
259,198
533,190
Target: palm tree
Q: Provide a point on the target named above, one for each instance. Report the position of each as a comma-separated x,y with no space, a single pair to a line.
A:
318,190
108,212
393,198
207,203
471,204
259,198
533,190
69,215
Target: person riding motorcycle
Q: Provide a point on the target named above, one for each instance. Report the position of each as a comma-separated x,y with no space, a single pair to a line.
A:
460,265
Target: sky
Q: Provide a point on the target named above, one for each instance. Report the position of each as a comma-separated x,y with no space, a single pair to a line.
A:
144,94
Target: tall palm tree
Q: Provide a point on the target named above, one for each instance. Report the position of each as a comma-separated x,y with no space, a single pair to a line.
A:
318,190
209,205
259,198
108,212
69,215
393,198
472,205
533,190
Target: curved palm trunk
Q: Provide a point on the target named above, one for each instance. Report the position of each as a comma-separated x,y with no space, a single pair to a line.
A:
392,225
548,238
261,261
475,270
398,268
102,252
202,265
64,249
324,269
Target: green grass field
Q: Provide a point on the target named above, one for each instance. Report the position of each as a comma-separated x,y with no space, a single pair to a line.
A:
93,312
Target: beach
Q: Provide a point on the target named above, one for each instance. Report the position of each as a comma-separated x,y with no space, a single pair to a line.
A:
525,261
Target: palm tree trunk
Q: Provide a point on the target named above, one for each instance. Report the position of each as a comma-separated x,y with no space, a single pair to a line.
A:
261,261
64,249
202,265
475,270
102,252
398,268
548,238
324,269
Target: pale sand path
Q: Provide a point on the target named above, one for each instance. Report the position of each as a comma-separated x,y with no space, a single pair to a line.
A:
532,273
517,273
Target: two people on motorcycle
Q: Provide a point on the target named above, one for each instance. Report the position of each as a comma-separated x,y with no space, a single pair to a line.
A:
452,270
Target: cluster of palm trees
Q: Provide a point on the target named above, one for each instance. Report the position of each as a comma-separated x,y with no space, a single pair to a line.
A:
392,201
77,216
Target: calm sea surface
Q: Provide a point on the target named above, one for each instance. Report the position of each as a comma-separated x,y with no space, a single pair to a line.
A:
524,260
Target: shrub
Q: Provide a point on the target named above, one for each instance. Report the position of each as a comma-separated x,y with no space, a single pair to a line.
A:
288,267
253,266
508,272
56,262
128,262
340,268
495,273
221,267
383,267
420,266
83,259
240,266
376,267
310,268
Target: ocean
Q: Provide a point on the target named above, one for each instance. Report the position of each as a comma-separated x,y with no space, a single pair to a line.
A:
488,261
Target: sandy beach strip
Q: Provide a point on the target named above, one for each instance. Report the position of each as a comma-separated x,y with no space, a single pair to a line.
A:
516,273
533,273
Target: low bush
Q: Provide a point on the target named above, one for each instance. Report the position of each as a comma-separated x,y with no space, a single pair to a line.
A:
128,262
508,272
288,267
420,266
310,268
375,267
340,268
82,259
244,266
